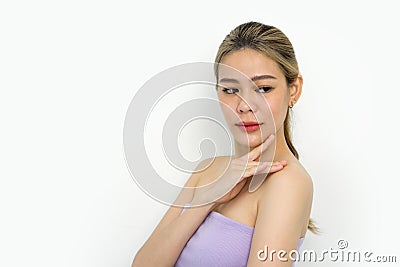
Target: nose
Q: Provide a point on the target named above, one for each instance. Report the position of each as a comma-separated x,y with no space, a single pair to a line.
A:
244,106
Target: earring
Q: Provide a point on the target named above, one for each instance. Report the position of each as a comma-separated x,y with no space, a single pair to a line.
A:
291,103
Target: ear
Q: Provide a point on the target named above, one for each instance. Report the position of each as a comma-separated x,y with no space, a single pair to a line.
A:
295,89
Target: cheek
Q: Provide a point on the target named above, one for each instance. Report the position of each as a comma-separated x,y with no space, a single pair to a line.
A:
278,109
228,109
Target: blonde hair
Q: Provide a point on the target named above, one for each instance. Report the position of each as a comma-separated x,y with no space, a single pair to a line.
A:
273,43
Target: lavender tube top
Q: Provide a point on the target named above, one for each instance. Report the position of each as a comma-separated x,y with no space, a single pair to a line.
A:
218,242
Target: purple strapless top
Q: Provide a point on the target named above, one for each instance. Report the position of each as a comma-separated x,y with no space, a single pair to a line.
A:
218,242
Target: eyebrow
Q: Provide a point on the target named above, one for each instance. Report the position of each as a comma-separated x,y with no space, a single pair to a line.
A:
254,78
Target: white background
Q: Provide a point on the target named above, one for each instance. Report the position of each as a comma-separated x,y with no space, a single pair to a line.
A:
69,69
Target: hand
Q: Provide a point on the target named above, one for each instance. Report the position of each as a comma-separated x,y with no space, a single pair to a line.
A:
231,182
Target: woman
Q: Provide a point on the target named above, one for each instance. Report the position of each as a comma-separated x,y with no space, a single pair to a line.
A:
230,225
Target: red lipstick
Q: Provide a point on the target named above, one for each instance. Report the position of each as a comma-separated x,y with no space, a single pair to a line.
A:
248,126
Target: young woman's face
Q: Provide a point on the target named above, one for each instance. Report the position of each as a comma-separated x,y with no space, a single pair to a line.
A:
261,95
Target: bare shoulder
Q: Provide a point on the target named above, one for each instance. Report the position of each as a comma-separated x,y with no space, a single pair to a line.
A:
293,180
285,200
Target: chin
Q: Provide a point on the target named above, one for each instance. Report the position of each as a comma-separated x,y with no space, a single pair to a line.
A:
251,140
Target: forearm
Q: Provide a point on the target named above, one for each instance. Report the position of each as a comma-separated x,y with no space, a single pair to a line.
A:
164,248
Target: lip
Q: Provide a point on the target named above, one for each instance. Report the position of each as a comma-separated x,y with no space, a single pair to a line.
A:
248,126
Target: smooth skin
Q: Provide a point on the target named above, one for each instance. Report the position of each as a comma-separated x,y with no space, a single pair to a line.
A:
279,209
177,229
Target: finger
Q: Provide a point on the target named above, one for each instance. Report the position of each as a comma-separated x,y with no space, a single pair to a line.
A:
274,168
261,165
253,168
282,162
256,152
277,163
269,169
258,163
246,170
242,165
256,169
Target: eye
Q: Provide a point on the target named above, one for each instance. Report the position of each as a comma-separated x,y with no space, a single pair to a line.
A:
230,90
264,89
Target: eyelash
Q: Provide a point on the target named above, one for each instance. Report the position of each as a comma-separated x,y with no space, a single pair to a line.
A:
265,88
